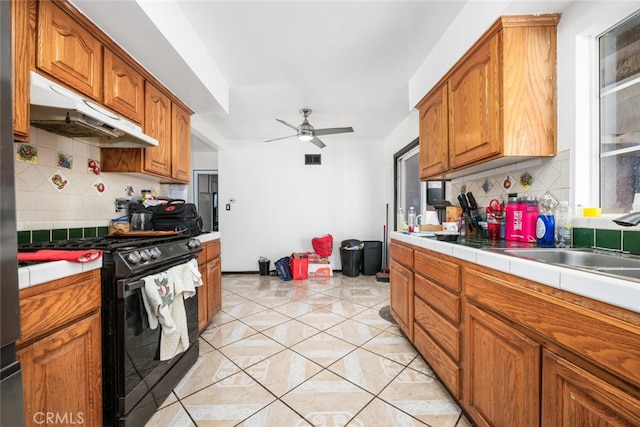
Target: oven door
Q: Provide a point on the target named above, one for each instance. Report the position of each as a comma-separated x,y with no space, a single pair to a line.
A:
140,368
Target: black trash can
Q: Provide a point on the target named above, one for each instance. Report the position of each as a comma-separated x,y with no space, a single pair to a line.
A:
371,257
351,257
264,267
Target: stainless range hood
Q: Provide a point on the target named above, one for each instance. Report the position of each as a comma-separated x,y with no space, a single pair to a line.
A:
63,112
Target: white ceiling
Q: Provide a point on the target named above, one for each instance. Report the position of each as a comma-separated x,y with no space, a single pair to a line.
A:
241,64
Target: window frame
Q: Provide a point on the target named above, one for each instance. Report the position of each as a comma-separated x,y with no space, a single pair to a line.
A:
411,149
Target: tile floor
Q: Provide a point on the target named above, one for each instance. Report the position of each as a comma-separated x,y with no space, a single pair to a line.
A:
307,353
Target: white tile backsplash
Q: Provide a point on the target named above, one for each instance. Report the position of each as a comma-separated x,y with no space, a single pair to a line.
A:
39,205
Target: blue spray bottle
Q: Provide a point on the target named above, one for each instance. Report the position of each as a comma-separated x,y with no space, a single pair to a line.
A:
546,224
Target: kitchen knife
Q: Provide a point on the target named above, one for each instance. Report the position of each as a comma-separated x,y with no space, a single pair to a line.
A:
465,210
473,209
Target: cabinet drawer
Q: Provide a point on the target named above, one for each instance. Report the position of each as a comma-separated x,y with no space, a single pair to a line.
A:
442,300
402,254
443,332
440,362
52,305
213,250
445,272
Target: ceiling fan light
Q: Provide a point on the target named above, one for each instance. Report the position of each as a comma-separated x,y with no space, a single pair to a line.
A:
305,137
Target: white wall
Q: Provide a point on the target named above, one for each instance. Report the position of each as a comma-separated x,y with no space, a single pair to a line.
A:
281,204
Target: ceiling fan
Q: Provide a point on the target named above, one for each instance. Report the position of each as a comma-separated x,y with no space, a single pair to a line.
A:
306,132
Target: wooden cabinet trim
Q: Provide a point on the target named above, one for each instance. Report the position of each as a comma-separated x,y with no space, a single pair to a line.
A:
47,307
440,268
442,364
403,254
448,304
443,332
607,342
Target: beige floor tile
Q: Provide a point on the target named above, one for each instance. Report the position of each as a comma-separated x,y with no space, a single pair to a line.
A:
344,308
265,319
275,415
367,370
291,332
170,416
380,413
171,399
368,300
418,364
371,317
327,400
219,336
321,319
208,369
221,317
354,332
227,402
233,299
423,397
391,346
283,371
255,294
294,309
323,348
340,292
464,422
204,347
319,299
244,309
251,350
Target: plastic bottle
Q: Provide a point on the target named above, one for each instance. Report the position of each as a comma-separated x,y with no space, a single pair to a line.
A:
514,211
400,221
529,218
545,225
563,225
411,219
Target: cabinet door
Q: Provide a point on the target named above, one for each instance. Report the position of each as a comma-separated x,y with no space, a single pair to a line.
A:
434,134
401,295
62,375
214,274
123,87
203,298
474,107
67,51
572,396
157,123
20,61
501,372
181,140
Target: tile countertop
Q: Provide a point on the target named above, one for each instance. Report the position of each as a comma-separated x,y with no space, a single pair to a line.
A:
38,274
619,292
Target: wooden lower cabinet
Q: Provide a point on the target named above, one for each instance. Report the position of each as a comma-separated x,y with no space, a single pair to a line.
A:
501,372
401,296
210,293
60,351
573,397
514,352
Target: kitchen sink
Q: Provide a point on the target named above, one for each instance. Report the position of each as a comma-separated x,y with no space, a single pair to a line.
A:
594,260
578,257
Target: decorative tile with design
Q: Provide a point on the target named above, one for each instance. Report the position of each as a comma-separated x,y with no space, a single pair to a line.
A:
99,186
227,402
283,371
58,180
276,414
391,346
380,413
208,369
251,350
27,153
327,400
526,180
372,317
354,332
368,370
65,160
241,309
323,348
487,185
507,184
290,333
321,319
265,319
171,415
228,333
422,397
294,309
345,308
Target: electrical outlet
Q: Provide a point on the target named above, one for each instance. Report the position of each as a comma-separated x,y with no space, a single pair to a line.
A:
228,207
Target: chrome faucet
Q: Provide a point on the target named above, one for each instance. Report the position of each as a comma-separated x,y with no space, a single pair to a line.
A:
628,220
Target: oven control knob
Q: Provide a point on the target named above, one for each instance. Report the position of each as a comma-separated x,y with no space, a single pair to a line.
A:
194,243
134,257
145,254
155,252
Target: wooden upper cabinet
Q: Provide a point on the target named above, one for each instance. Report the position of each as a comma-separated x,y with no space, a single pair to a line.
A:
181,139
434,133
501,100
20,60
123,87
474,106
157,123
67,51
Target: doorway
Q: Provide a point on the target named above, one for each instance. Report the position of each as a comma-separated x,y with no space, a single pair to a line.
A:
205,195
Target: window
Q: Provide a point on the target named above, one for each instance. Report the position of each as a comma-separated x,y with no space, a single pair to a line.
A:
410,191
619,87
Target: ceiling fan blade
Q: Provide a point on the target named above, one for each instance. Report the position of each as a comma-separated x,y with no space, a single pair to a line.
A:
329,131
283,137
317,142
287,124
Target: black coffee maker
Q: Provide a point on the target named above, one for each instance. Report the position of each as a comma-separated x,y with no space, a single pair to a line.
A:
441,209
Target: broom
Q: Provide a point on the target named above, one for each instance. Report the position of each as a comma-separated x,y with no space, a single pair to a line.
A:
383,275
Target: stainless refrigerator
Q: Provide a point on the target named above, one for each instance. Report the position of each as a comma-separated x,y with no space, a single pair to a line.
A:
11,410
208,201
